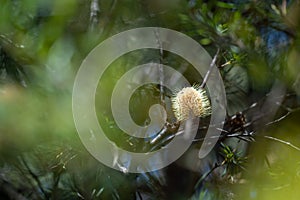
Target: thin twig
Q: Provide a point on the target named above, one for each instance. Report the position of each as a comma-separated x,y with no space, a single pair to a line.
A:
35,177
212,64
204,176
283,142
278,187
139,195
160,69
279,119
94,16
9,41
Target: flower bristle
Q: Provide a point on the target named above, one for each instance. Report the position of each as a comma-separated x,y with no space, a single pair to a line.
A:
191,102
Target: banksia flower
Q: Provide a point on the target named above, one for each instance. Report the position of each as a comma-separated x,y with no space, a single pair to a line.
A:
190,102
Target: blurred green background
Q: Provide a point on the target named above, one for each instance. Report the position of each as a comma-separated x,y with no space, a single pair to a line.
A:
42,44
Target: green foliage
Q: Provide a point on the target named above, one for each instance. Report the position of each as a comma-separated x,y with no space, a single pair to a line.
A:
233,160
42,44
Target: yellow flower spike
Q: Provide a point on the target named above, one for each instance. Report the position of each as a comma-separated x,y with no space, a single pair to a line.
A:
190,102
